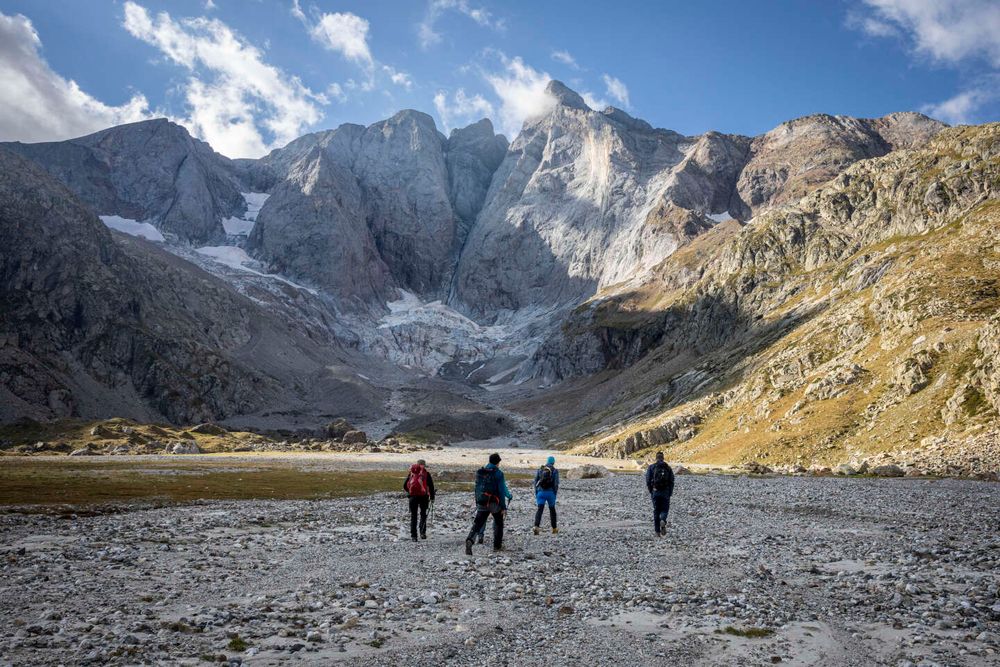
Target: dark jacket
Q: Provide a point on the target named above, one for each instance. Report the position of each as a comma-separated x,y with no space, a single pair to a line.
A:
649,481
555,479
430,481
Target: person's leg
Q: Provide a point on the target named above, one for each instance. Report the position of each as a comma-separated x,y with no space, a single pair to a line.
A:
497,531
664,511
552,511
413,517
478,523
656,514
538,514
424,503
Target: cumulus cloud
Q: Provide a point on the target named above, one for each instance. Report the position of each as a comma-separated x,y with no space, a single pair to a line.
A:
566,58
39,105
593,101
344,33
961,109
949,32
461,108
397,77
232,93
521,90
617,90
945,30
428,35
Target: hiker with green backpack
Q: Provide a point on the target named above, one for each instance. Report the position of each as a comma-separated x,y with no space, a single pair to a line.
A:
660,483
492,495
546,490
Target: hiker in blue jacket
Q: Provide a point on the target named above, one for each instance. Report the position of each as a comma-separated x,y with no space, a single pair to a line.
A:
546,489
660,483
492,495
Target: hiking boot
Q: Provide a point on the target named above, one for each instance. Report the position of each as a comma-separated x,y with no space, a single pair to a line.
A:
468,547
496,549
555,531
414,538
535,529
479,539
423,536
663,531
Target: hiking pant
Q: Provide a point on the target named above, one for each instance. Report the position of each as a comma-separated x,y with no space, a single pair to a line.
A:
480,522
545,497
661,507
421,503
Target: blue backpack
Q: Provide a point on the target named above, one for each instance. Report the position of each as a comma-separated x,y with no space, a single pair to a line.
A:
488,489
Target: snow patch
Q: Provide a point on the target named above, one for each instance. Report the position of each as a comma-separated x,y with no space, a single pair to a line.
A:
243,226
237,258
132,227
720,217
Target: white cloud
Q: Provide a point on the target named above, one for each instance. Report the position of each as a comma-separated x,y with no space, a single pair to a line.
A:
961,109
462,108
616,89
232,92
522,93
593,101
426,31
344,33
39,105
566,58
210,5
397,77
946,30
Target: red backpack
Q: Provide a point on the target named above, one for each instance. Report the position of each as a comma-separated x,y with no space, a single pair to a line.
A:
418,482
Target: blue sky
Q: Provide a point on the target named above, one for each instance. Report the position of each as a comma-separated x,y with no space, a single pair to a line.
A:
249,75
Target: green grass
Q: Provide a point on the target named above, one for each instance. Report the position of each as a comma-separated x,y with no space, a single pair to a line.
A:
750,633
237,644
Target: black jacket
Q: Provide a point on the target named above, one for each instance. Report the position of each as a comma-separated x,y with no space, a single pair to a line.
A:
670,484
430,483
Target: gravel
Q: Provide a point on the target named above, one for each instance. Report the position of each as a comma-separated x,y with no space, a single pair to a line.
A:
828,571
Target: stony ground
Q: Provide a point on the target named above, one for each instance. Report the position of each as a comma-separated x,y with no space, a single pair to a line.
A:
830,572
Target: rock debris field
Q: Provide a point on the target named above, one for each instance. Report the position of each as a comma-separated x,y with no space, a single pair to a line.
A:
754,570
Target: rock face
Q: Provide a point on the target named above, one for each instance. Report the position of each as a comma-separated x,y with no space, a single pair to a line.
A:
95,323
151,171
364,211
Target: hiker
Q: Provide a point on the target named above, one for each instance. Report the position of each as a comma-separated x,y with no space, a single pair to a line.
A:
492,495
420,487
660,482
546,489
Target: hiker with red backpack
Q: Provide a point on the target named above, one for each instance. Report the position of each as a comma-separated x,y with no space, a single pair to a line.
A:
660,483
492,495
420,487
546,489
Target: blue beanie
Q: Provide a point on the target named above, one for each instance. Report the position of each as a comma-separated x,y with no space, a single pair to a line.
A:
551,461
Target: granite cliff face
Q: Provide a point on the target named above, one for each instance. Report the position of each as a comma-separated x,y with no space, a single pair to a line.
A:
151,171
94,323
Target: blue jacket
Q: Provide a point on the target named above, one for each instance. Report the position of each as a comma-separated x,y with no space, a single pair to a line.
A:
555,480
649,482
505,493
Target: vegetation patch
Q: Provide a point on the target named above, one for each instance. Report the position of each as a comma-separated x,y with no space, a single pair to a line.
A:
749,633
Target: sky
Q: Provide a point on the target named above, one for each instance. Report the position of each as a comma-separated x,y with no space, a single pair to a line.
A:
251,75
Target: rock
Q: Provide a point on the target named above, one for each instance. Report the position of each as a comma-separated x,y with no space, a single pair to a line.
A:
888,470
681,470
587,471
755,468
183,447
84,451
338,428
314,636
845,469
355,438
209,428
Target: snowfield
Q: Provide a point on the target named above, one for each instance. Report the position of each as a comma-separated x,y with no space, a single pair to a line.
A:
132,227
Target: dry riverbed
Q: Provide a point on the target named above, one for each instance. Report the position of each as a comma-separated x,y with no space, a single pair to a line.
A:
755,570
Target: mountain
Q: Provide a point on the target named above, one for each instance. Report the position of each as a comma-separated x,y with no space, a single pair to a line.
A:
151,171
97,323
804,295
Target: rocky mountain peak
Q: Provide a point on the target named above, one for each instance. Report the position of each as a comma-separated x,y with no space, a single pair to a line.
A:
565,96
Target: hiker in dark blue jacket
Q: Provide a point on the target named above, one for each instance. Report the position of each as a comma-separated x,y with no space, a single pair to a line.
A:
546,489
492,495
660,482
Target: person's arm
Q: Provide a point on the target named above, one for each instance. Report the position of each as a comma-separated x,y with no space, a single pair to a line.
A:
555,480
649,479
503,486
430,486
406,483
538,478
670,488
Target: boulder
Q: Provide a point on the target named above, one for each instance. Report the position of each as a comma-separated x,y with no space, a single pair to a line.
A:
587,472
355,438
338,428
845,469
681,470
85,451
183,447
888,470
755,468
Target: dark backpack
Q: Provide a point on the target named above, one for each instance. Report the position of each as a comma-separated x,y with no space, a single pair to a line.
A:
488,489
663,478
547,479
